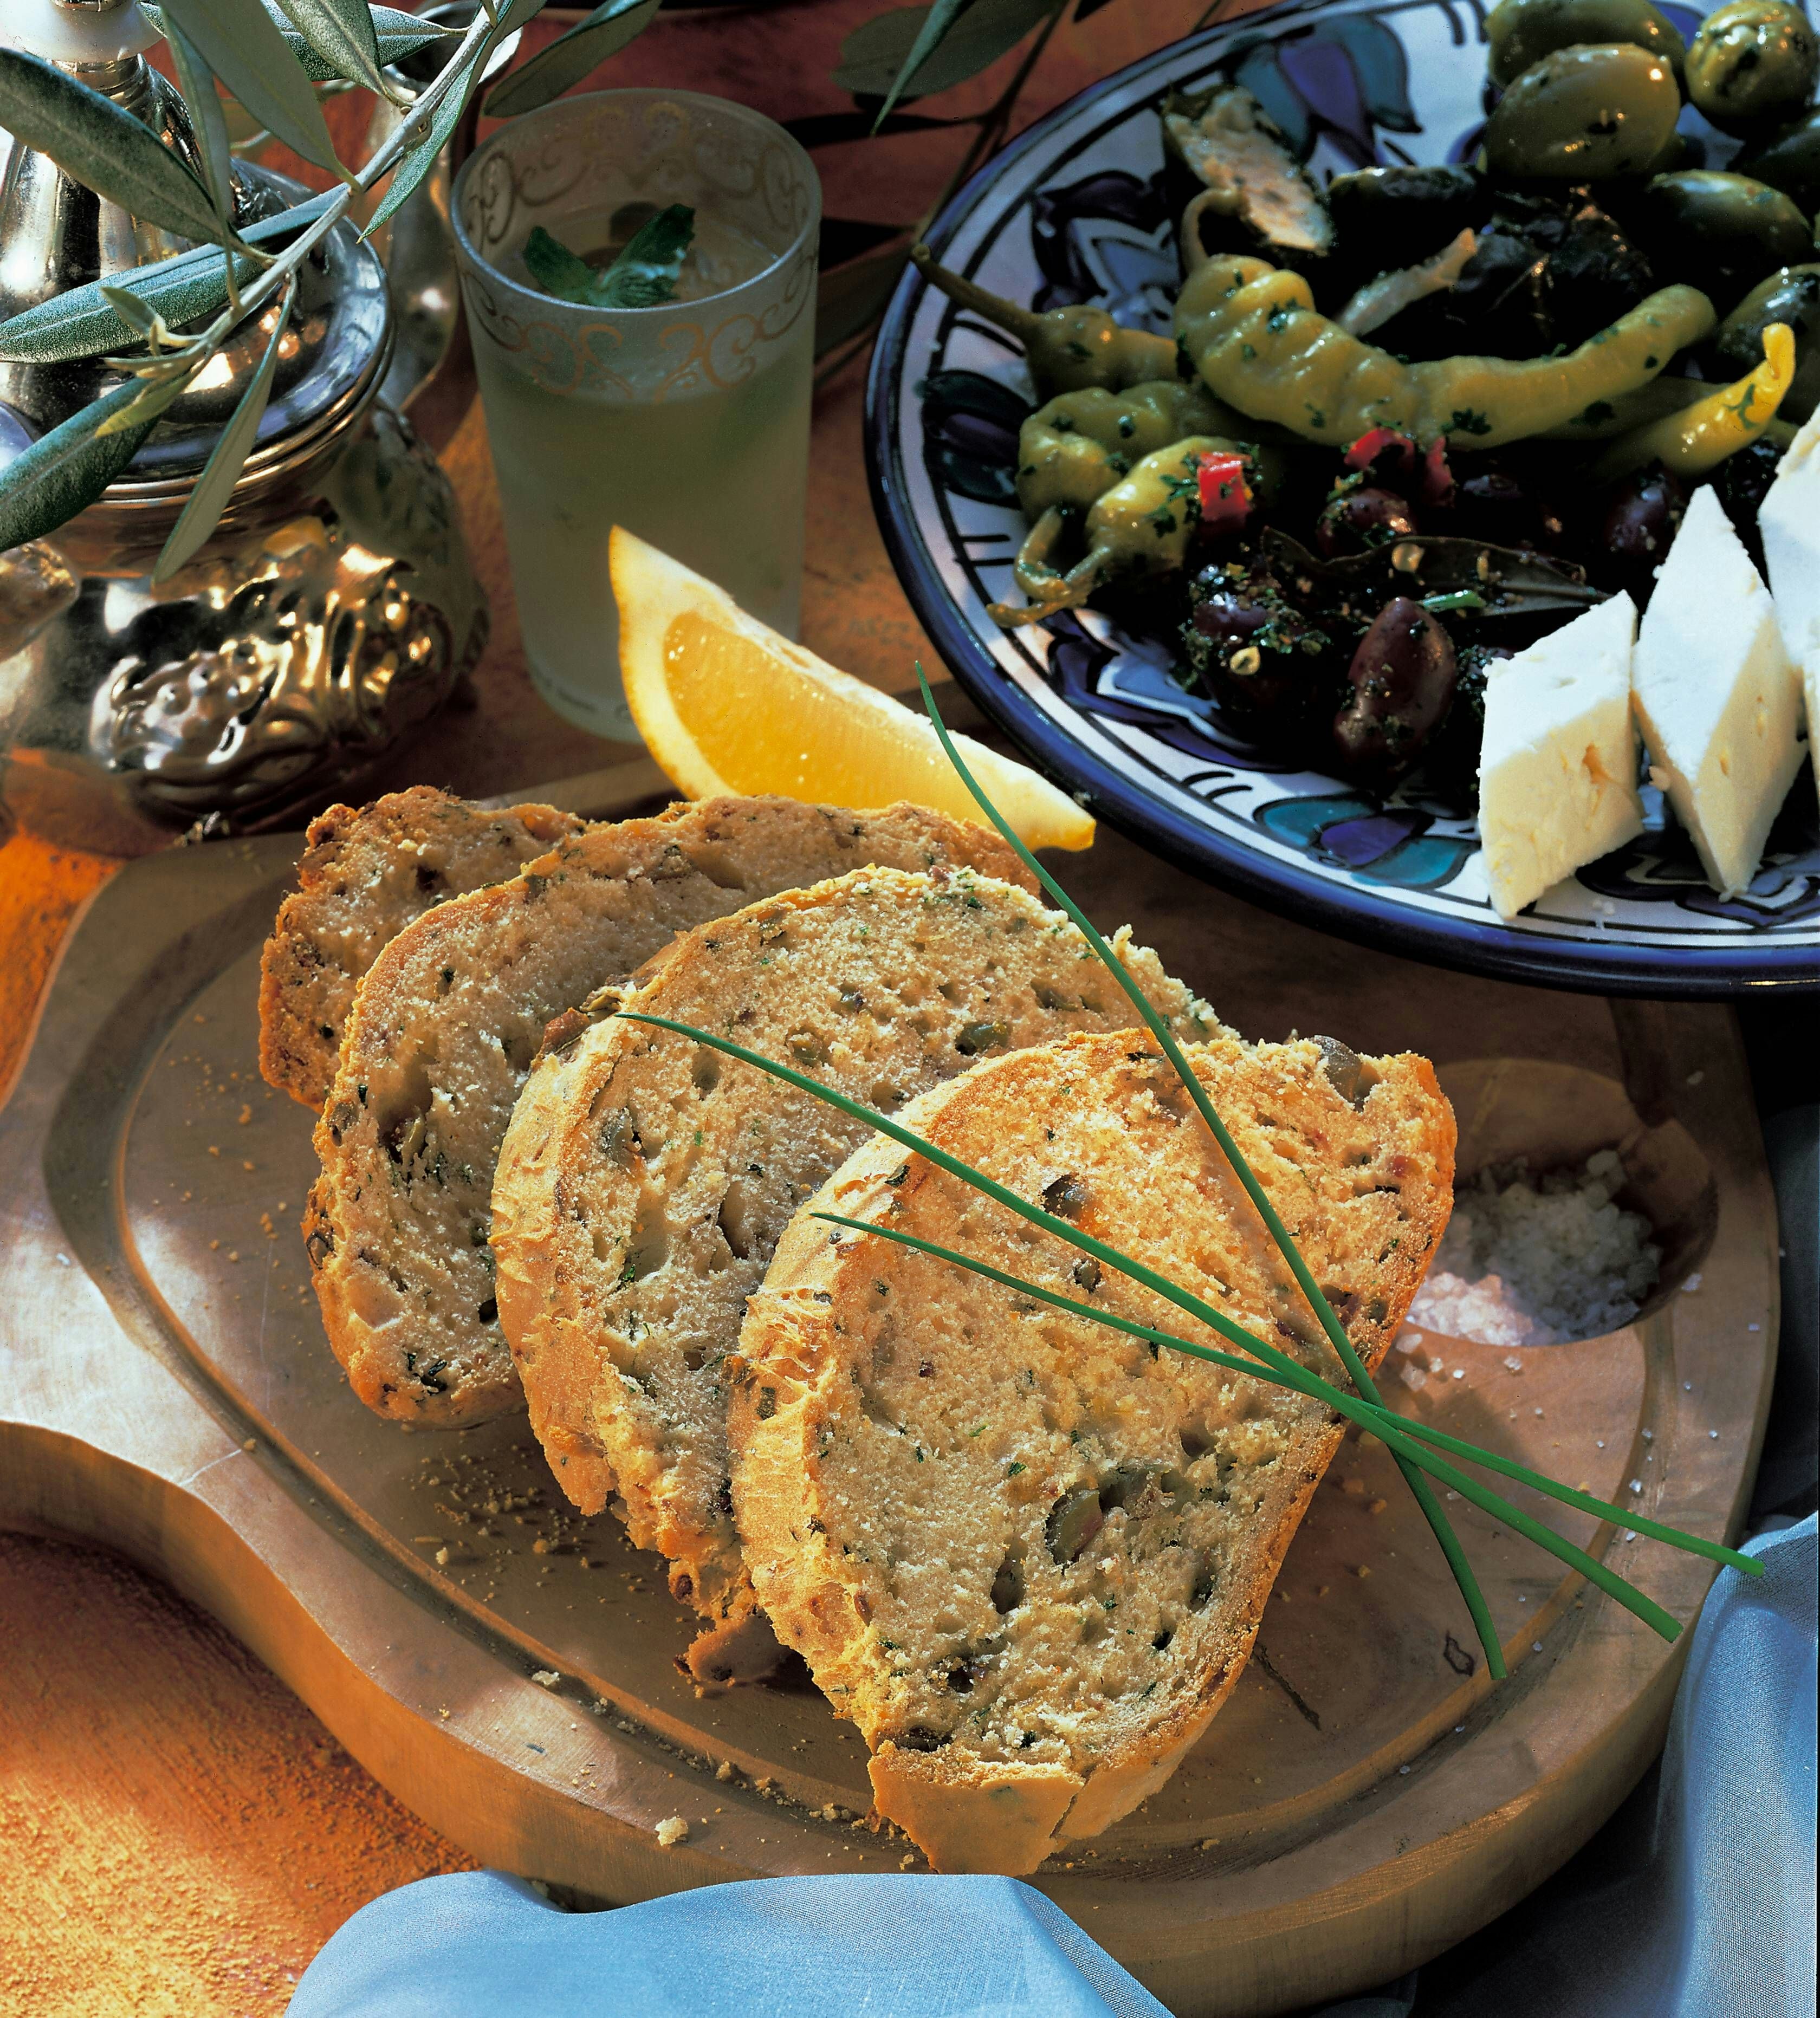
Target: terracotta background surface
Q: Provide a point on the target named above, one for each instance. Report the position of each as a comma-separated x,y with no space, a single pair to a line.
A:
177,1834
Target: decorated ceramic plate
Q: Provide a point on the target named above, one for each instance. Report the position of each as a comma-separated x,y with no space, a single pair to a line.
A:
1076,211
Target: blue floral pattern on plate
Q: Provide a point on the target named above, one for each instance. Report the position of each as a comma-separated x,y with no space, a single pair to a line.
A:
1076,211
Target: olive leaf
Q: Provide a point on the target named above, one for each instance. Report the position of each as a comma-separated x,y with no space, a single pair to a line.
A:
85,321
197,81
397,35
1508,581
221,472
67,470
914,51
851,297
341,33
102,146
570,58
240,42
420,157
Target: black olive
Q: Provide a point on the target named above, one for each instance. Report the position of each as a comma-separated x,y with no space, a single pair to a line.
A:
1367,516
1742,482
1450,763
1638,528
1402,677
1229,616
1493,505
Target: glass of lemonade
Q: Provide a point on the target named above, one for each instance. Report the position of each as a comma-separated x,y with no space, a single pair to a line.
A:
687,423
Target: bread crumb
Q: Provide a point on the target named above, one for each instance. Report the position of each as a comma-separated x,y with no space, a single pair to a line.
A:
671,1832
441,1559
547,1677
1364,1569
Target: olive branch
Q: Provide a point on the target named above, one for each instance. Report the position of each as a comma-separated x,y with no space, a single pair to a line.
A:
269,63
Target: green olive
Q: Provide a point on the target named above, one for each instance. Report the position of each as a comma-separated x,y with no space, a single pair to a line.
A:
1597,109
1522,32
1792,295
1753,63
1721,233
1788,160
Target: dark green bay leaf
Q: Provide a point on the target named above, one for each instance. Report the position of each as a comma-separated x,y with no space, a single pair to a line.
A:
84,324
101,146
243,45
568,60
214,487
46,486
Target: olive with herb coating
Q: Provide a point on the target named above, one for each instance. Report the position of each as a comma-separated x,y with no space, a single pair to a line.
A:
1719,232
1788,160
1253,650
1359,517
1638,528
1402,678
1496,507
1522,32
1596,109
1792,295
1752,63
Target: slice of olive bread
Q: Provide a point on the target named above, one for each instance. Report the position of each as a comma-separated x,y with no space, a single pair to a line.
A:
1026,1558
444,1028
645,1180
366,872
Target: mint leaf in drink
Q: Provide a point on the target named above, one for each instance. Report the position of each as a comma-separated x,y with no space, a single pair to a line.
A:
644,275
557,270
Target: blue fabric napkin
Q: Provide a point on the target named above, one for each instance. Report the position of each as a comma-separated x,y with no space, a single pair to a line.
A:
1716,1916
1697,1901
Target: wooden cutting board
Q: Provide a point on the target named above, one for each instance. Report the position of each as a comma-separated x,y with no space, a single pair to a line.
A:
506,1667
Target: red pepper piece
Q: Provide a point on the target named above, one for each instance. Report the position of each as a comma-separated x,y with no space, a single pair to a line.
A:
1225,496
1437,478
1373,444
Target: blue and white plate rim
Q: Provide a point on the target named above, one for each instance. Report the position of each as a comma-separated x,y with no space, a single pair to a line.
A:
1643,953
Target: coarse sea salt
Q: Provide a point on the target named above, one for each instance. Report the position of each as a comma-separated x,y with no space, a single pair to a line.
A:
1542,1262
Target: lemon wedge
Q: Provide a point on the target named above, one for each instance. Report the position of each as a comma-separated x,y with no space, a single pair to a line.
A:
725,704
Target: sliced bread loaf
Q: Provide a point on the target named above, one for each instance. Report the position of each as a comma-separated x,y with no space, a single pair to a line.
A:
1024,1556
445,1026
645,1180
366,872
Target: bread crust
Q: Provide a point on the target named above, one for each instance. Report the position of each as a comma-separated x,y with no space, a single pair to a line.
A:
875,1567
643,1180
445,1025
366,872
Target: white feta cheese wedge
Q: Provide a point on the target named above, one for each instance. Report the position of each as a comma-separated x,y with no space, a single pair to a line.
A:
1718,698
1557,766
1789,523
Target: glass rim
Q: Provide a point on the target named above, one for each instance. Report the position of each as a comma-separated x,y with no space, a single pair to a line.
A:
768,273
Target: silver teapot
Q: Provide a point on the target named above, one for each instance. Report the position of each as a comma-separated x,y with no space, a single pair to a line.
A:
333,610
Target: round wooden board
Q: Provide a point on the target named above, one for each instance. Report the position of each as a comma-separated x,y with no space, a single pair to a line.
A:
1365,1798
